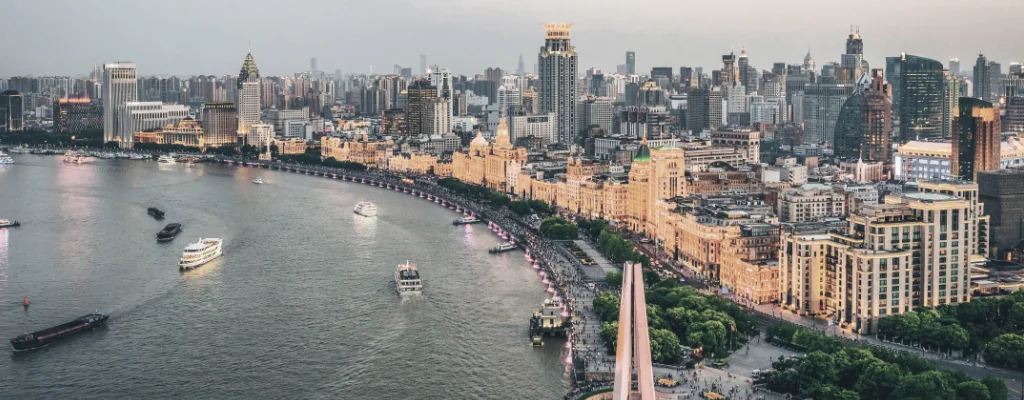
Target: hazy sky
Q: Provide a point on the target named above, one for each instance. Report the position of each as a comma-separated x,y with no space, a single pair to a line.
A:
184,37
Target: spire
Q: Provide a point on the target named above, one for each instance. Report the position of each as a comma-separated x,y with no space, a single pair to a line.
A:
248,72
743,51
643,154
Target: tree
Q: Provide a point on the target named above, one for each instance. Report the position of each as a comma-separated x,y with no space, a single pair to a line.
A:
930,385
520,207
997,389
972,390
878,380
610,334
1006,350
664,346
833,392
607,306
613,278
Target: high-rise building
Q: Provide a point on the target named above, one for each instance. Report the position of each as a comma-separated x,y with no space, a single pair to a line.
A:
557,83
439,117
865,123
950,104
312,66
12,111
747,74
1002,192
976,133
821,106
704,110
423,64
120,85
995,81
650,94
418,118
686,77
521,67
1014,120
140,116
74,115
248,103
220,123
954,66
918,84
596,111
630,63
981,79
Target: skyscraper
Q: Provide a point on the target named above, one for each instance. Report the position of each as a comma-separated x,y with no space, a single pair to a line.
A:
119,86
821,106
917,96
981,79
704,110
419,118
630,63
950,104
954,66
493,75
976,130
220,123
521,67
423,64
312,66
248,103
558,71
865,123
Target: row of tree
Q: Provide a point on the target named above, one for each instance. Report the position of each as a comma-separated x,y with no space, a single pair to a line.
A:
993,326
90,138
619,250
832,370
524,207
681,315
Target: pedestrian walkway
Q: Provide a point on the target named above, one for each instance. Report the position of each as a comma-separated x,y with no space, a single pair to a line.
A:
598,272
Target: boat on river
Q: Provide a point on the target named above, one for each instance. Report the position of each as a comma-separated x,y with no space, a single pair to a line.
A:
407,279
504,247
466,220
169,232
155,213
44,337
9,224
199,253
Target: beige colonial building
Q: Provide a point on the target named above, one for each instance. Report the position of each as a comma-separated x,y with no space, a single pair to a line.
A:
811,202
364,151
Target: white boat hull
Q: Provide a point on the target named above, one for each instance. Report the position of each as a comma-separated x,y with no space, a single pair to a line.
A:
200,262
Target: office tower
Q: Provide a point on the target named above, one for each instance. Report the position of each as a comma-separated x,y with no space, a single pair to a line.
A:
598,87
1014,120
248,103
509,98
557,83
662,75
917,85
119,86
704,110
808,65
773,85
74,115
630,63
312,66
521,67
976,130
995,81
220,123
686,78
632,93
442,80
493,75
438,117
864,125
12,111
954,66
854,43
727,75
1002,192
418,118
981,79
596,112
1015,68
950,104
747,74
650,94
821,106
423,64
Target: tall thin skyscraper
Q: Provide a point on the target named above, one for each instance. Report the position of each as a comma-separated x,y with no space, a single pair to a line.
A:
521,68
120,85
954,66
976,131
423,64
558,72
630,63
981,79
248,103
917,96
312,66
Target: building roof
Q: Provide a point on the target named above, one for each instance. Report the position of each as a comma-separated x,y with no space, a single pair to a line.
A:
927,148
644,153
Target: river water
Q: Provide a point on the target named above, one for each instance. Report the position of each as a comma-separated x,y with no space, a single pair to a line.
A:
301,305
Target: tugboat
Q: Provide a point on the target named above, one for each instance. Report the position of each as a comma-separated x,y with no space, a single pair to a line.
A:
155,213
503,248
466,220
44,337
169,232
9,224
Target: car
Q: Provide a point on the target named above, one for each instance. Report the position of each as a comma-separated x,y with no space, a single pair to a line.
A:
645,241
588,261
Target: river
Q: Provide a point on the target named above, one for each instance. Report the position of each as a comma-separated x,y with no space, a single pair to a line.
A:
301,305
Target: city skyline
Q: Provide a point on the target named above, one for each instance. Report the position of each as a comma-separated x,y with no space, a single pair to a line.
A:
598,35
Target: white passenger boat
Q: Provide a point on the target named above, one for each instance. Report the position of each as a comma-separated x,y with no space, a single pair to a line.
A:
258,181
407,279
366,209
76,158
5,159
466,220
166,160
199,253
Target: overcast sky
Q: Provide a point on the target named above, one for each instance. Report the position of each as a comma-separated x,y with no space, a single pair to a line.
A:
185,37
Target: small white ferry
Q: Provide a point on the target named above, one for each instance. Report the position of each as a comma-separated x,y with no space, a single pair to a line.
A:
199,253
76,158
366,209
407,279
466,220
5,159
165,159
258,181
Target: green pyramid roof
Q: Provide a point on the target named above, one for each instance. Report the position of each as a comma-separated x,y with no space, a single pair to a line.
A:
643,154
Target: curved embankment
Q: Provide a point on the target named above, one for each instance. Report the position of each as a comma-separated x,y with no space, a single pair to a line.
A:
500,223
